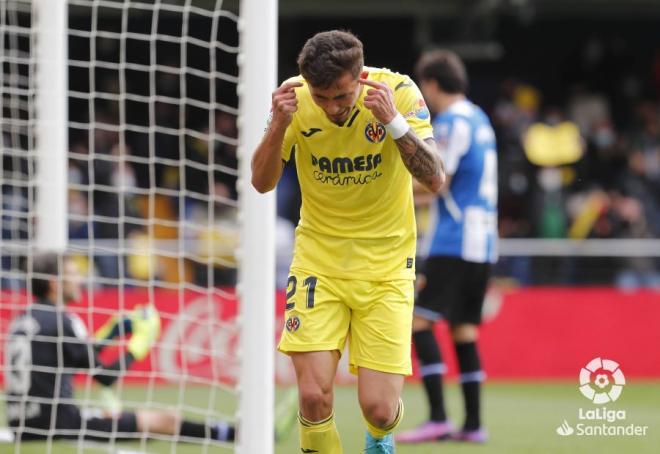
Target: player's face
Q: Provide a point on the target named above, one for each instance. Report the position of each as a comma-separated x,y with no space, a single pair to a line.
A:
338,100
71,282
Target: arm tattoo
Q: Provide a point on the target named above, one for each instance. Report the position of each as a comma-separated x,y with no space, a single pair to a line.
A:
421,159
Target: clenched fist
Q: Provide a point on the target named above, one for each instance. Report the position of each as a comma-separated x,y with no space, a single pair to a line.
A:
379,100
284,104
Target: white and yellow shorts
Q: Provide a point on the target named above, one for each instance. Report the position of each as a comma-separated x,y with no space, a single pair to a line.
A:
322,313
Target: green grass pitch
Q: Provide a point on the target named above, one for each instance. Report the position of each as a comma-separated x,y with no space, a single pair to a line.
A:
521,418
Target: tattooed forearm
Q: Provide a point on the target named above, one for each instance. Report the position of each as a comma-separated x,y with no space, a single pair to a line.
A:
422,160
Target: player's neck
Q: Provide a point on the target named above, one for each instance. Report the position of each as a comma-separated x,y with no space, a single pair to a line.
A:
52,300
445,101
43,301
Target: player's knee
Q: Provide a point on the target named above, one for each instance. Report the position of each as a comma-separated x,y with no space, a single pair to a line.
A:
464,332
379,413
315,401
421,324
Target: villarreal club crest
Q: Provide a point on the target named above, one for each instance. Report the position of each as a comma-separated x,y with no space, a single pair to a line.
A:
374,132
292,324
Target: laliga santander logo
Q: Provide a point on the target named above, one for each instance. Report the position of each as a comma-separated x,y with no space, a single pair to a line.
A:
601,381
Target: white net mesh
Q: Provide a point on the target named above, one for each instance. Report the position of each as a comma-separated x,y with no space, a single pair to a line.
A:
17,133
152,200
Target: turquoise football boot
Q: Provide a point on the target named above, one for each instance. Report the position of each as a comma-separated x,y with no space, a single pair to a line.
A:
383,445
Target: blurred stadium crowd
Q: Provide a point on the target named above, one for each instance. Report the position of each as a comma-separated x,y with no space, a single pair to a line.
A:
165,185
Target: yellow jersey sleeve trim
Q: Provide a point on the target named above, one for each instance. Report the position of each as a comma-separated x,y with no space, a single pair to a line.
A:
410,103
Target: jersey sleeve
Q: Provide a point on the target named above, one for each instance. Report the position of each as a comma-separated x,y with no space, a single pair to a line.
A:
78,347
410,103
80,352
453,138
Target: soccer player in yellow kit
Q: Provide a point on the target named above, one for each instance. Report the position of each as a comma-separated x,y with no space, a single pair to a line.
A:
359,134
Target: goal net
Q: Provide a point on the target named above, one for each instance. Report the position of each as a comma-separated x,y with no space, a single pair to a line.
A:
125,146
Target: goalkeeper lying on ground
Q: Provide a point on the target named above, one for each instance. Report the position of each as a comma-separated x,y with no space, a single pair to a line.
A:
46,346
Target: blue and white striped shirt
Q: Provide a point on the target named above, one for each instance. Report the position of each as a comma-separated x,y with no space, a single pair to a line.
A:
464,222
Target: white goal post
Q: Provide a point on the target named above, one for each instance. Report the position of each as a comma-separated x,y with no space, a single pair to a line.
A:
258,63
51,126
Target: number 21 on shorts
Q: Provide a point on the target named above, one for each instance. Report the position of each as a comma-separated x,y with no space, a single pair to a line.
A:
310,286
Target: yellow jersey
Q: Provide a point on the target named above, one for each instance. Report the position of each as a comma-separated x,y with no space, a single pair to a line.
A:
357,219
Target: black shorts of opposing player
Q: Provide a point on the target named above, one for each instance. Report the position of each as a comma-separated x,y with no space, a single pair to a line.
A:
70,424
454,290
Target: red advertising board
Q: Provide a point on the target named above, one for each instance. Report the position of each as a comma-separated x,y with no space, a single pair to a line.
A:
528,333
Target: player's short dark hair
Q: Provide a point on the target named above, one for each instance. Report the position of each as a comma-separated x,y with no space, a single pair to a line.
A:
445,67
326,56
44,268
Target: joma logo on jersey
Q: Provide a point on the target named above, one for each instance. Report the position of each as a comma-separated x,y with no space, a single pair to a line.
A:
310,132
347,165
374,132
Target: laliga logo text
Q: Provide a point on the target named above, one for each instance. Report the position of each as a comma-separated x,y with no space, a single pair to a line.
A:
601,381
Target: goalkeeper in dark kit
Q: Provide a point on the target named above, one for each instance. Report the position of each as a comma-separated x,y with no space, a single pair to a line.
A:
46,346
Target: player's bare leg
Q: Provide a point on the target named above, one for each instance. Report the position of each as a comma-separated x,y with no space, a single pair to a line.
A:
379,394
157,422
315,373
